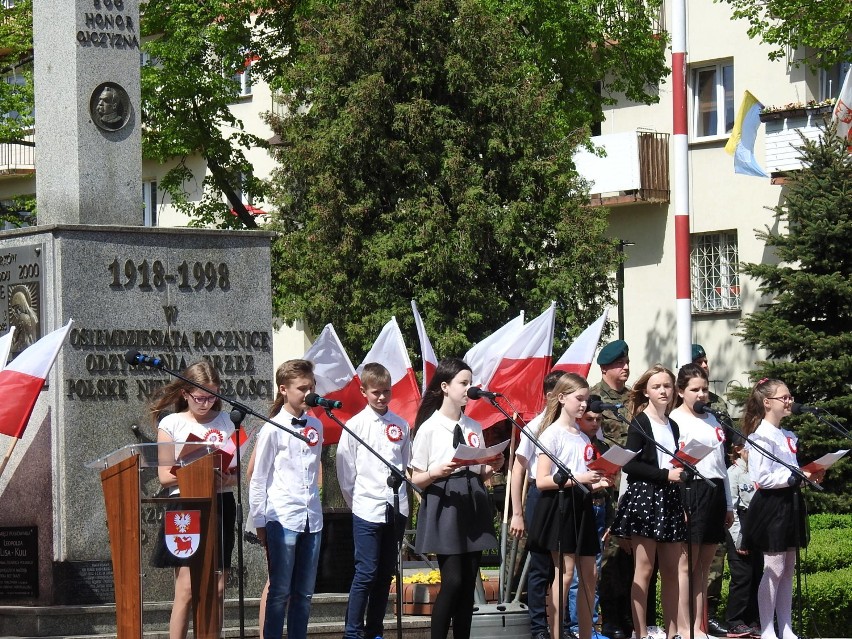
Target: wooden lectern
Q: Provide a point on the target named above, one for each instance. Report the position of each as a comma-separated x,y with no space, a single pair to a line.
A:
197,483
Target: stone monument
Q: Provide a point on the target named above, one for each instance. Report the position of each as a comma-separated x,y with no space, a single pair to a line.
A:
178,294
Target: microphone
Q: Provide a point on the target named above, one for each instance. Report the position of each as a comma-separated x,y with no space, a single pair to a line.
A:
701,408
474,392
598,406
135,358
314,400
800,409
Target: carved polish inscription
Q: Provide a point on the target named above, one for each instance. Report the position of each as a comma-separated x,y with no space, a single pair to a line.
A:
106,26
232,352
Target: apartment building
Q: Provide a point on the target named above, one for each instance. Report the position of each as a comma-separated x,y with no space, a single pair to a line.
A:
635,181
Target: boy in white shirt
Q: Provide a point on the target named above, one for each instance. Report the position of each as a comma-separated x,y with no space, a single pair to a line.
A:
363,481
285,504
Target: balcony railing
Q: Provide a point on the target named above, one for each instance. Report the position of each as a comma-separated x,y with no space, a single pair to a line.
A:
635,169
784,131
17,159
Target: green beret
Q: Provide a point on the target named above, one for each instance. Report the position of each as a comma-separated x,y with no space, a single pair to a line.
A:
698,352
612,351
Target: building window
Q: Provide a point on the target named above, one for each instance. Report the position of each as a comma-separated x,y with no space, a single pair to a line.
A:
149,198
715,279
831,80
713,100
242,78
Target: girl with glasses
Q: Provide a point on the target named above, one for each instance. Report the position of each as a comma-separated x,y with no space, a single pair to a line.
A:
776,523
178,411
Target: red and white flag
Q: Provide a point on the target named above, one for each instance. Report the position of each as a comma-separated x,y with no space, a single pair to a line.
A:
22,380
578,357
6,347
484,356
842,114
229,449
389,351
520,373
430,362
336,379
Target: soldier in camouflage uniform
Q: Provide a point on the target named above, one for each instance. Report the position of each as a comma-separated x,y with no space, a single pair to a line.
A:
715,627
616,566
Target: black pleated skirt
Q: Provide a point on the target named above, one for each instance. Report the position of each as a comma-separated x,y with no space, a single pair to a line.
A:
455,516
771,517
578,532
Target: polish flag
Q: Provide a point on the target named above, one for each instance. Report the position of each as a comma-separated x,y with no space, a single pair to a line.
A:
6,347
520,373
484,356
336,379
389,351
22,380
430,362
578,358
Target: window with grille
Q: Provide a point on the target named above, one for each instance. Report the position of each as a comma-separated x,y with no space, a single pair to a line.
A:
715,278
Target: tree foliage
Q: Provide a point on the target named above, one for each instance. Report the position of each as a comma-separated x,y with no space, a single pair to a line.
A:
597,49
425,158
195,49
807,326
824,28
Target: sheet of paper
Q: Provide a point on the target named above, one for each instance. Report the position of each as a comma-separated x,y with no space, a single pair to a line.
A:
612,460
692,452
468,455
826,461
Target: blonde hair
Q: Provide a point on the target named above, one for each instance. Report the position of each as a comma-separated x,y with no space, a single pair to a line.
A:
288,371
567,384
637,398
754,412
374,375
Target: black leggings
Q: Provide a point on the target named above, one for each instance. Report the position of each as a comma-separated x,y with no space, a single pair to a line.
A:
455,599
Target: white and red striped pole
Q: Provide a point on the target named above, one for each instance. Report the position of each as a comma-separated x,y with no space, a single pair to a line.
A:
680,193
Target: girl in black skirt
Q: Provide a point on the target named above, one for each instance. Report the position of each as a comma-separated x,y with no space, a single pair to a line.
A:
456,518
776,522
650,513
579,538
192,411
709,507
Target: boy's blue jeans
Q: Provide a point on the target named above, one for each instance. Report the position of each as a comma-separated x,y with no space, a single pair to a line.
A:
293,558
375,561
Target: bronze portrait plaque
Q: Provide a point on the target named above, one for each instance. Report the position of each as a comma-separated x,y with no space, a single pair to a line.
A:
109,106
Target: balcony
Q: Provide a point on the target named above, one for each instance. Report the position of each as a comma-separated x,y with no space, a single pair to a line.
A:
634,170
17,159
782,139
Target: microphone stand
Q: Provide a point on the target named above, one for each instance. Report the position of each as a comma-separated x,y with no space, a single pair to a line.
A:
561,477
796,478
238,414
689,472
395,480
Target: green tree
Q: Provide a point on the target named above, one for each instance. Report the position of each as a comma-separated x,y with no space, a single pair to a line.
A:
16,90
195,50
807,327
824,28
597,49
425,158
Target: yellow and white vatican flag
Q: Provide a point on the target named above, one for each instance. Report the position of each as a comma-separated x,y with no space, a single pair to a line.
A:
744,135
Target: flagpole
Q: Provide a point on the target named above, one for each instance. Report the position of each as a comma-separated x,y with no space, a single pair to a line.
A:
8,455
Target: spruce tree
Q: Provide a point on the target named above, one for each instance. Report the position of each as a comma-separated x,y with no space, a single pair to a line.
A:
806,327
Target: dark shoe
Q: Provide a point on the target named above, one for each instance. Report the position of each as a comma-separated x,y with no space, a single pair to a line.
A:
716,628
613,632
755,629
739,630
